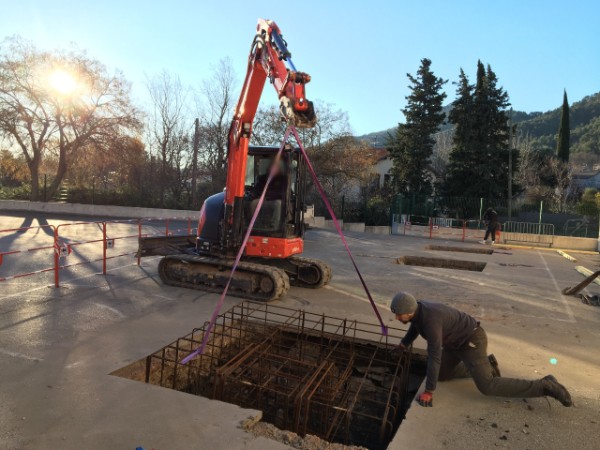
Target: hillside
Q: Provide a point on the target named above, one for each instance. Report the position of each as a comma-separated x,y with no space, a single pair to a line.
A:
585,126
543,127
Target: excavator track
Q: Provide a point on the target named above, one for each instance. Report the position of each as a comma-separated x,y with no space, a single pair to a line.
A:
312,273
302,272
250,280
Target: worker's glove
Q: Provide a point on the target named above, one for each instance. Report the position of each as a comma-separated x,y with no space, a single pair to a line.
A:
425,399
399,349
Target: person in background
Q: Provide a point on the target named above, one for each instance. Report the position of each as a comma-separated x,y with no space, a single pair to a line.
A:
491,219
457,348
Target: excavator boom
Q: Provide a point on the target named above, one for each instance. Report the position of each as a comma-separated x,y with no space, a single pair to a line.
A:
267,59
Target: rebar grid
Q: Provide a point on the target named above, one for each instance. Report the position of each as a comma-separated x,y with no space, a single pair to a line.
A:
314,374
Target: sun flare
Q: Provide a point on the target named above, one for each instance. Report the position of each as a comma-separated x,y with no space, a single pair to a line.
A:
63,81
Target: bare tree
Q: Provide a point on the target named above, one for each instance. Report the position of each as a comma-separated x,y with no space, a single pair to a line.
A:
332,124
195,149
217,99
168,133
13,171
528,175
56,103
344,167
563,177
118,164
342,164
269,127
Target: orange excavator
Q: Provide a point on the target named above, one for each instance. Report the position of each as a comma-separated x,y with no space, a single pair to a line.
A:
271,261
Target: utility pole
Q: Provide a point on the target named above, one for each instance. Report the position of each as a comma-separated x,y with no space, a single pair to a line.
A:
196,145
510,165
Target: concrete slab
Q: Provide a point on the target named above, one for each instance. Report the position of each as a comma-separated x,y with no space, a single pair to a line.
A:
58,347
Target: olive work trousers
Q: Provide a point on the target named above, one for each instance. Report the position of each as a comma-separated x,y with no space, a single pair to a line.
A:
471,361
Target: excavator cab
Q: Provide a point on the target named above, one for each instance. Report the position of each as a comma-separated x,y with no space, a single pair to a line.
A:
281,214
279,226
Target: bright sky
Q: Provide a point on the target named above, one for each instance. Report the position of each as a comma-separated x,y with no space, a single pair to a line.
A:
357,52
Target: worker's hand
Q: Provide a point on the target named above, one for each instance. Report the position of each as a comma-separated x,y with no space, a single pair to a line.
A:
399,349
425,399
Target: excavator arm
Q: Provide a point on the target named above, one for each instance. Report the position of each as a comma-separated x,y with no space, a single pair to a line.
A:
268,57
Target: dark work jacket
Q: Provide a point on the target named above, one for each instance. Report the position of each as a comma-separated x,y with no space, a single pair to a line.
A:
442,327
491,216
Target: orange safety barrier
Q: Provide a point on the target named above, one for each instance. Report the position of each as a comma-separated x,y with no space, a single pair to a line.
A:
444,228
120,232
87,243
42,235
153,227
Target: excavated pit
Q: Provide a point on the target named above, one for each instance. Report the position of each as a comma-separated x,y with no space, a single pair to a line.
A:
442,263
314,375
447,248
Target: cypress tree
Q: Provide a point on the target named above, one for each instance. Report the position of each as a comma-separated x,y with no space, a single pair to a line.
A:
564,131
463,157
479,157
496,144
411,146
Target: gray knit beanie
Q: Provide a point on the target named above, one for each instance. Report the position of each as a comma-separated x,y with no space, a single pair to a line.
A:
403,303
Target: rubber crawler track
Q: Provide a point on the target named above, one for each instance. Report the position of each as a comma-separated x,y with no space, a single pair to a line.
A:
323,268
169,267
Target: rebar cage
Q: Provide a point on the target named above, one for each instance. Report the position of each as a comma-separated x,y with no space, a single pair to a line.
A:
339,379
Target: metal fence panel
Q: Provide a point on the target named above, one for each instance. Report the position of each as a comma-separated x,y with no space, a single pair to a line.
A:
534,233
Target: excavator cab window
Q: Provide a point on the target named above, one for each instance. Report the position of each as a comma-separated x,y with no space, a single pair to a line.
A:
278,209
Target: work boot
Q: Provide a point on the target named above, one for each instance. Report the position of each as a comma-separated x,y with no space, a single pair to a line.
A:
495,367
556,390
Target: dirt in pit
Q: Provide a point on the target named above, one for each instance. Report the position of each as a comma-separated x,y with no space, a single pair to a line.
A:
446,248
308,442
441,263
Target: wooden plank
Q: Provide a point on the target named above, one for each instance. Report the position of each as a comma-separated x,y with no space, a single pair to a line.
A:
586,273
566,255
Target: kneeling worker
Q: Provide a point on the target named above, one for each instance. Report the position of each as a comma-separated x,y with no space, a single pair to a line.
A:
457,348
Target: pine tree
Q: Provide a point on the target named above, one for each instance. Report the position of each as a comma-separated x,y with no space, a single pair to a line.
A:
462,165
564,131
495,131
411,146
479,158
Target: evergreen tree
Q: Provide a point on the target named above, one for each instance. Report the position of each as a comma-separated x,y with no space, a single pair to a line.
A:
412,143
479,157
463,157
564,131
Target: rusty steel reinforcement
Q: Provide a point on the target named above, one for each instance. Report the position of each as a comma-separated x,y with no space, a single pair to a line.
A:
313,374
